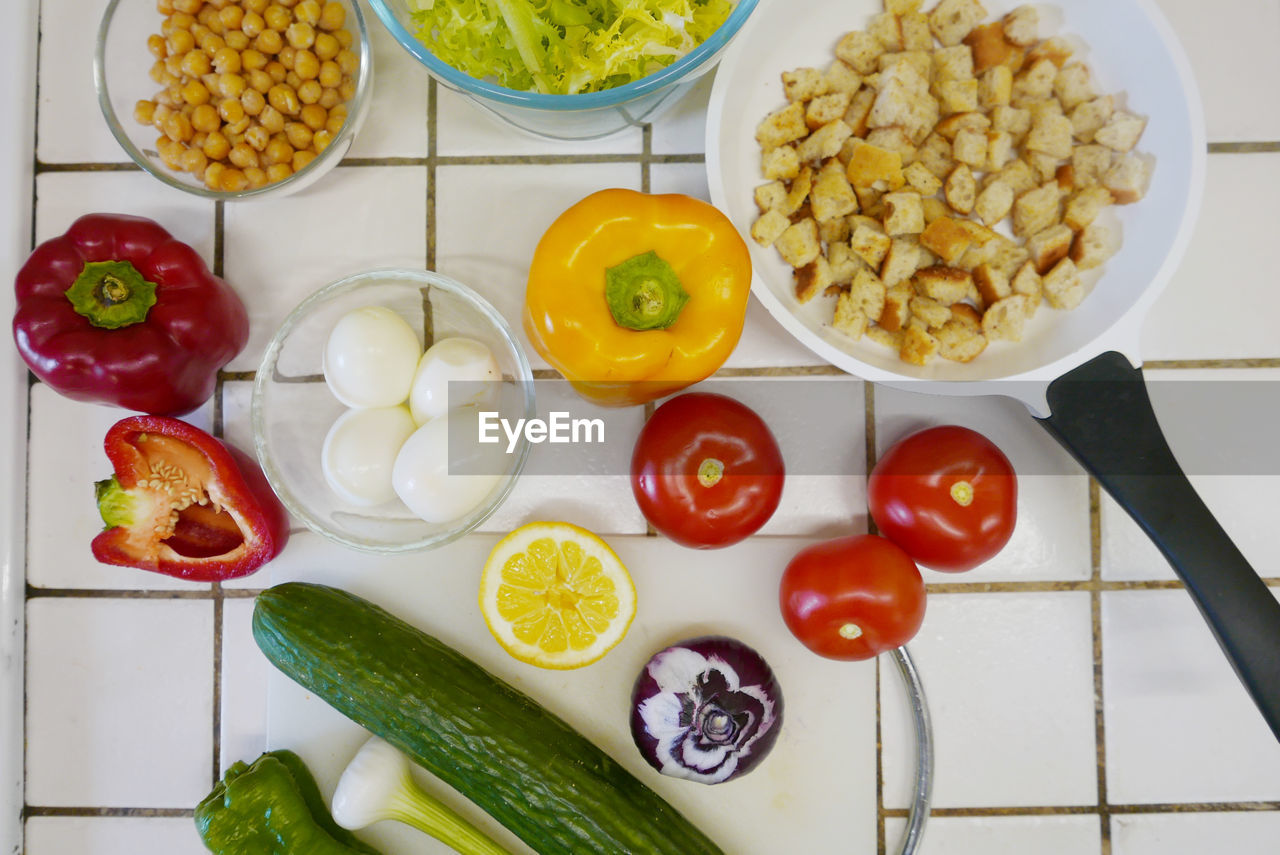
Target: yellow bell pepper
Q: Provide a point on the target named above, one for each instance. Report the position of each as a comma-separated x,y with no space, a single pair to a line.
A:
634,296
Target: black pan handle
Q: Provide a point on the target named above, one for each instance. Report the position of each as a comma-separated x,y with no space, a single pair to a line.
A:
1101,413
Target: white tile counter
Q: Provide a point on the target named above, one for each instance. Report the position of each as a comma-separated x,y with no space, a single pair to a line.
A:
1080,705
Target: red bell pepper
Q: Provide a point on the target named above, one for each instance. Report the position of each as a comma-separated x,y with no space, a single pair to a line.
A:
116,310
185,504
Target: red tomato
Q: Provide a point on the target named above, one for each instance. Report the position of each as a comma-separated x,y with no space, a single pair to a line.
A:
947,496
852,597
706,470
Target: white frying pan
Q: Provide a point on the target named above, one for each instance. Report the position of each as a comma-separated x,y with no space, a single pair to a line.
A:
1078,371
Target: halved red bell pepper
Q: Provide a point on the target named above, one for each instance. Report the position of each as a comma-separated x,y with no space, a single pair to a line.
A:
185,504
117,310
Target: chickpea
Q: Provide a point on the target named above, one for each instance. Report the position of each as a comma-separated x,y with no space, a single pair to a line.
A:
188,6
231,15
313,116
260,81
292,80
271,119
347,61
269,42
300,34
330,74
179,42
332,16
320,141
278,150
176,21
177,127
301,159
194,161
255,6
277,71
205,118
211,43
344,37
253,102
232,180
309,92
306,64
208,16
164,7
195,93
195,63
216,146
232,85
284,99
162,112
253,60
243,156
279,172
236,40
335,121
144,112
160,73
329,98
256,176
252,25
257,137
298,134
231,110
277,17
156,44
226,61
171,153
286,56
238,128
197,141
213,175
347,89
326,46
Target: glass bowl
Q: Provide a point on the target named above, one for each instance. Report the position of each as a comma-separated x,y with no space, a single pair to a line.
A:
122,67
584,116
293,408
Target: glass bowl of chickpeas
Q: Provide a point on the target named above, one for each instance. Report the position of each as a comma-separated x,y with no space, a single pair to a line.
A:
232,99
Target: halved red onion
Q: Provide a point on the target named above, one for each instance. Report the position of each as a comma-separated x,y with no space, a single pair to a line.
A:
707,709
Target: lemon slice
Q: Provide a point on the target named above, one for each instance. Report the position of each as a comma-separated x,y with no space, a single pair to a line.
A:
556,596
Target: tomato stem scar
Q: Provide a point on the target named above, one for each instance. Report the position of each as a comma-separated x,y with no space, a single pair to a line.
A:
962,493
710,471
850,631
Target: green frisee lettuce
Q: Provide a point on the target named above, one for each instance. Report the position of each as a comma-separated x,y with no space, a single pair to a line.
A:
564,46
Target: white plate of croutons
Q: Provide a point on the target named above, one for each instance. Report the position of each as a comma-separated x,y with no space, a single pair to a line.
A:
958,189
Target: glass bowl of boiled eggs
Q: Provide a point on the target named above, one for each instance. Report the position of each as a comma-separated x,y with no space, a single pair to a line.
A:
373,410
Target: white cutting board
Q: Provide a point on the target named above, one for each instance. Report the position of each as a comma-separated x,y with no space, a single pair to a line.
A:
816,791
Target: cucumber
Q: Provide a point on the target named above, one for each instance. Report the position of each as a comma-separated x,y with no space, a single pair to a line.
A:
523,765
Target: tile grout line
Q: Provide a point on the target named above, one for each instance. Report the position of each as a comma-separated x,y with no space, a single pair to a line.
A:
431,164
869,443
219,267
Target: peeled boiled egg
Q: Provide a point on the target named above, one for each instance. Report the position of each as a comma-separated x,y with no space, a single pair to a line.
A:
422,476
370,358
359,453
451,359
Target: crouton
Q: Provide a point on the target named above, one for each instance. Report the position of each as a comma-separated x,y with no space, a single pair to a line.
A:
1035,82
916,34
825,109
1015,120
884,338
953,63
959,341
934,209
823,143
845,263
989,46
782,126
918,346
1127,178
1049,246
812,279
902,7
769,227
1083,206
798,244
1089,117
903,214
1026,281
1021,26
1093,246
1073,86
902,98
885,29
1035,210
840,76
928,311
901,261
961,189
1000,150
993,203
872,166
956,96
921,180
952,125
992,283
1018,176
995,87
1063,287
952,20
859,50
867,293
1044,167
897,307
798,191
934,154
869,200
944,284
1088,164
970,147
1055,49
1051,135
771,196
921,61
848,319
802,84
1008,257
833,231
893,139
1121,132
871,244
780,162
947,238
1004,319
832,197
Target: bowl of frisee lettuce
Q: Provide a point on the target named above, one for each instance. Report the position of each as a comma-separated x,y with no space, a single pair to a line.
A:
567,69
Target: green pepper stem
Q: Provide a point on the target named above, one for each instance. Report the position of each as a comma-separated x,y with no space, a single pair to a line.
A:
644,293
112,294
414,806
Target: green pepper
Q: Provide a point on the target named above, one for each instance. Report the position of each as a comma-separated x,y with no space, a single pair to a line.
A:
272,807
